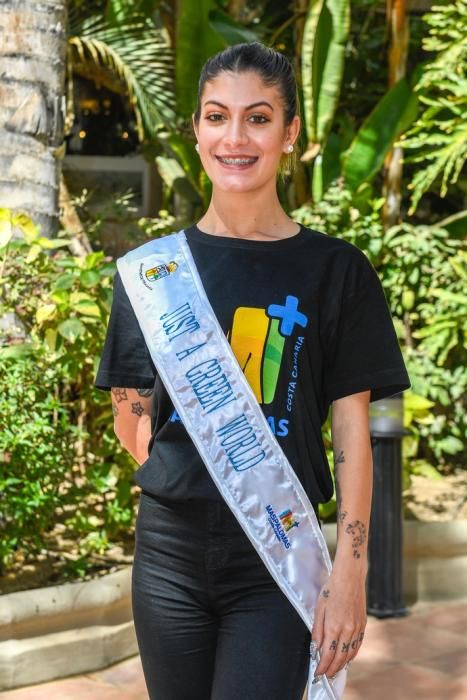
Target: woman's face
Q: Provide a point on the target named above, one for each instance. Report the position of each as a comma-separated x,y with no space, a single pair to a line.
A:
241,132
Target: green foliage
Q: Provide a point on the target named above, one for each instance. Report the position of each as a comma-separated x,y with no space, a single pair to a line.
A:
325,35
196,41
422,270
36,451
392,115
55,426
131,57
438,138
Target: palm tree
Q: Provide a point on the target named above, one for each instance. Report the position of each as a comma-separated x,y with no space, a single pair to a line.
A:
32,79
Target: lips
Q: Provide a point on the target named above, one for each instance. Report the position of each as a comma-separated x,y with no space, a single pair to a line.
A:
239,161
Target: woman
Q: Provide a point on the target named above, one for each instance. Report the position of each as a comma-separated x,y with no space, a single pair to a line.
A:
309,325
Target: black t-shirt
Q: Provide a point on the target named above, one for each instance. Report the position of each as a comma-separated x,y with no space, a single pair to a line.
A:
308,323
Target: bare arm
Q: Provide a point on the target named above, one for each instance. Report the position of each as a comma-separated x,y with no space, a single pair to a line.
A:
132,420
340,617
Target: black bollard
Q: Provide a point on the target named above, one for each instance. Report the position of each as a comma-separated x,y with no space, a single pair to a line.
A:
384,583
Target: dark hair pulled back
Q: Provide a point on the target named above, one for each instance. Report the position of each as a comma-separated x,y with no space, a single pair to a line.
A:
273,68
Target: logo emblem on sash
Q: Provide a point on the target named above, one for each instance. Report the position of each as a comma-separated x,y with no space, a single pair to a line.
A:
287,520
282,524
157,272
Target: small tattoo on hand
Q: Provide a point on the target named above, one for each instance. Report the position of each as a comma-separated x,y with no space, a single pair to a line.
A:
333,646
345,647
120,395
360,639
354,644
325,593
137,408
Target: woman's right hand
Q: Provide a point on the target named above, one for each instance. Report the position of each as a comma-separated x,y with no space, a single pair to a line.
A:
132,420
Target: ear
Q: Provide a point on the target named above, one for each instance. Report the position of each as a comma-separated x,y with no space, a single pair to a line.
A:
293,129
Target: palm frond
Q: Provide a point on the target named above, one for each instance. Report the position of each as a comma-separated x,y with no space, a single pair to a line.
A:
438,139
133,59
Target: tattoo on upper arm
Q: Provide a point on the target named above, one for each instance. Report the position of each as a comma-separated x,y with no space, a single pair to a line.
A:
146,393
120,394
358,531
137,408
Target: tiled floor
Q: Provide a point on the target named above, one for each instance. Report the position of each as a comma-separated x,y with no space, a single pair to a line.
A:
419,657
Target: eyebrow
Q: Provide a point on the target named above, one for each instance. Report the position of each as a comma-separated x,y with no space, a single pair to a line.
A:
252,106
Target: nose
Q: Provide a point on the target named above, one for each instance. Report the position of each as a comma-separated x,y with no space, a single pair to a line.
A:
235,134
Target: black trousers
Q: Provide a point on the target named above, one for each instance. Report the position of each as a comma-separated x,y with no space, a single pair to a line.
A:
210,621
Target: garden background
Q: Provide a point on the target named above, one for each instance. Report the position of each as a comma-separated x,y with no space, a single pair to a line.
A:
383,93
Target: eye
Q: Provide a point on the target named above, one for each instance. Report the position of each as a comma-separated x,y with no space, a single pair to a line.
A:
215,117
259,119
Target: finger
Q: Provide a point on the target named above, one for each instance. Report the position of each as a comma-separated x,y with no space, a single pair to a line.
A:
355,644
317,632
328,652
342,653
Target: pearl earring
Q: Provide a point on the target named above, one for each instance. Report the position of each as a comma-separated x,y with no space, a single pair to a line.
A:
197,147
290,148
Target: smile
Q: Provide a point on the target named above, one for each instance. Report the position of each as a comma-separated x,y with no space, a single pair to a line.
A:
237,161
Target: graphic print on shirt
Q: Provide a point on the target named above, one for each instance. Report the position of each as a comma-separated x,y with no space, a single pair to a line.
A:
257,340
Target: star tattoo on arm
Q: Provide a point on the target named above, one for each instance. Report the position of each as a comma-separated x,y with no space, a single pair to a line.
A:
137,408
120,394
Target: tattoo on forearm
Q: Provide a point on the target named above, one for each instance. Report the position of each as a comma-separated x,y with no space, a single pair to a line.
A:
358,531
333,646
114,409
345,647
325,593
146,393
120,395
341,514
137,408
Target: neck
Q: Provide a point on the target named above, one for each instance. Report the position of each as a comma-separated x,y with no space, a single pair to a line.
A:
253,215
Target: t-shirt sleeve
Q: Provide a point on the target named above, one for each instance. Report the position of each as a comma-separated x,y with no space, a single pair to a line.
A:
125,359
364,352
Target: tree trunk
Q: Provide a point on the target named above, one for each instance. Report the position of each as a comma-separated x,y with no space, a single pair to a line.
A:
32,77
399,40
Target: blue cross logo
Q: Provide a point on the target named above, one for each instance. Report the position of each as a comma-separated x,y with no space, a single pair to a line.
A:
289,315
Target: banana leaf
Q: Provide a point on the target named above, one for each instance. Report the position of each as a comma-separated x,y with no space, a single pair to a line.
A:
325,35
196,41
229,30
393,114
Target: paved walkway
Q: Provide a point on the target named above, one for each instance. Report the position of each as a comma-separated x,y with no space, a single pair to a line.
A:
419,657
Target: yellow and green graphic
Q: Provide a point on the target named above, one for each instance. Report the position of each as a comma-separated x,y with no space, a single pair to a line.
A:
257,340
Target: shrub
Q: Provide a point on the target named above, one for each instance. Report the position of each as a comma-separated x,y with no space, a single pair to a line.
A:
422,269
60,454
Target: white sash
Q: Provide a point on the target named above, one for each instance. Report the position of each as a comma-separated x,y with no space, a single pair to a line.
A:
222,416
